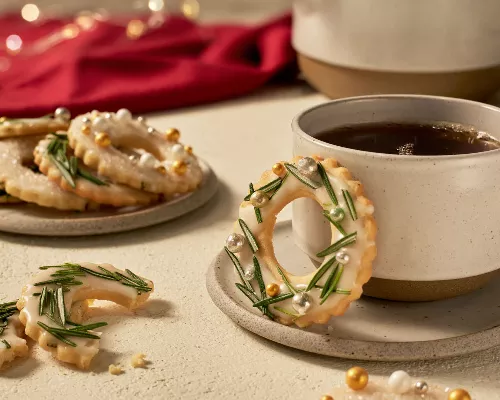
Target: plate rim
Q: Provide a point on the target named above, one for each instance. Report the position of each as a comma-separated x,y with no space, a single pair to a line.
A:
379,351
121,222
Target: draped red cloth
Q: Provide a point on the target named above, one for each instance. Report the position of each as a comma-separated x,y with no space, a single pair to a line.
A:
178,64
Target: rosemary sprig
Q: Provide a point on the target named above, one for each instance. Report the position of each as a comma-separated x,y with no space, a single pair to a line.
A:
63,280
333,284
88,327
269,187
98,274
237,265
249,235
271,300
258,277
52,302
345,241
280,185
61,307
54,320
62,169
287,312
285,280
56,334
350,204
86,175
7,344
342,291
253,297
319,273
304,179
73,166
328,282
327,184
257,211
334,223
137,278
42,300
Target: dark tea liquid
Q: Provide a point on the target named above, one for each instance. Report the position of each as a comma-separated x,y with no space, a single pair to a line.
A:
410,139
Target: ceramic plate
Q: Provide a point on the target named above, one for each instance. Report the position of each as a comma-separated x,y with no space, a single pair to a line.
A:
371,329
34,220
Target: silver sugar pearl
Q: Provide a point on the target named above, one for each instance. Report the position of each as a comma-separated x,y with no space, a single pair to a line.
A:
249,272
337,214
86,121
421,387
107,115
62,114
307,166
235,242
100,124
132,158
342,257
123,115
259,199
301,302
141,120
178,151
151,129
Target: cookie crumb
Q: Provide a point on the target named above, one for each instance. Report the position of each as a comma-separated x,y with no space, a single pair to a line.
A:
115,369
138,360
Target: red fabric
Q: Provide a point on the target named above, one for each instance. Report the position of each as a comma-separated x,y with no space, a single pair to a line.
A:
179,64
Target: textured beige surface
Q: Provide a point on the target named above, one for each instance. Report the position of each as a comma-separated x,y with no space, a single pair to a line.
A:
195,350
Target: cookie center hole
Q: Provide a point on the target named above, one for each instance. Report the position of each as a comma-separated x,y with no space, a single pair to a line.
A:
288,253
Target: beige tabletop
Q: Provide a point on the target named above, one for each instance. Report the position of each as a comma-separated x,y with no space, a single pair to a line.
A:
195,350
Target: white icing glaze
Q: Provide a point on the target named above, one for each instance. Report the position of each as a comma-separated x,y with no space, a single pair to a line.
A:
13,334
291,189
92,287
128,133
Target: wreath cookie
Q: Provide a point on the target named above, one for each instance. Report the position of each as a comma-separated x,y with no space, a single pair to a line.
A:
6,198
104,142
347,263
12,343
52,304
35,126
23,182
56,161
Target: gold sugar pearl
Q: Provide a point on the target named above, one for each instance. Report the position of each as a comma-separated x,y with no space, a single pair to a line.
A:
161,169
102,139
86,129
188,150
172,135
179,167
356,378
3,119
272,289
279,169
459,394
327,397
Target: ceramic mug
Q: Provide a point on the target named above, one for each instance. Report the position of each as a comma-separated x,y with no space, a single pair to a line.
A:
437,216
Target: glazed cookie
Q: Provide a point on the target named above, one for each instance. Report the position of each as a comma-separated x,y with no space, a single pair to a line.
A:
47,311
6,198
56,161
104,141
35,126
12,342
347,262
21,181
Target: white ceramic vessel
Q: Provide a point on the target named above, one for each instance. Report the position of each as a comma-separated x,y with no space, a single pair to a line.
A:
437,215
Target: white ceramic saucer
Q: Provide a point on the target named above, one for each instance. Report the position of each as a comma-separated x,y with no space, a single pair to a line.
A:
371,329
30,219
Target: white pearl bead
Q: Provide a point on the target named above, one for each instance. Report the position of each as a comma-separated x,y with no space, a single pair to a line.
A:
421,387
342,257
147,160
141,120
301,303
123,115
62,113
301,286
399,382
151,130
108,115
307,166
249,272
337,214
100,124
259,199
178,152
235,242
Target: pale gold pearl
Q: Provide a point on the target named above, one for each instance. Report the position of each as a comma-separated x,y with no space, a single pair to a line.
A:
356,378
86,129
327,397
272,289
279,169
172,135
3,119
459,394
179,167
102,139
161,169
188,150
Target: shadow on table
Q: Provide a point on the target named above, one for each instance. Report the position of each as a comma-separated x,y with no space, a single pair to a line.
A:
215,210
424,368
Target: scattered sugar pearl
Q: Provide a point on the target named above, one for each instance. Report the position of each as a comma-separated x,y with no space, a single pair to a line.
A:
178,151
123,115
399,382
147,160
100,124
